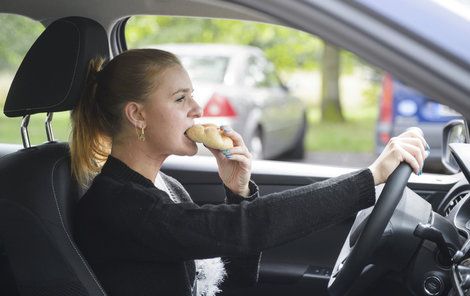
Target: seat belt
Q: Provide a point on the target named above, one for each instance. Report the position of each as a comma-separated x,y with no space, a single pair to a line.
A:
194,289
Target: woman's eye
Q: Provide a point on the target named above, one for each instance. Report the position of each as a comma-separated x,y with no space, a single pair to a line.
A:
181,99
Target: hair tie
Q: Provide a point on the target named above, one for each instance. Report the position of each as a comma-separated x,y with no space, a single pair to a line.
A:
94,76
96,69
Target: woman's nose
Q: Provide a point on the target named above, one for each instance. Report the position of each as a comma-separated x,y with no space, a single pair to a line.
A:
196,110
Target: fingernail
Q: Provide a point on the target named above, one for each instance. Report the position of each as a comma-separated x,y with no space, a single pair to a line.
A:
226,151
427,152
427,147
420,172
226,128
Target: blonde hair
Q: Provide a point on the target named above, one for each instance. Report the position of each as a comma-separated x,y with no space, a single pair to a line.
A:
97,118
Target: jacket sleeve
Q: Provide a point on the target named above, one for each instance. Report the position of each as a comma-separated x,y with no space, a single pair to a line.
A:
186,231
232,198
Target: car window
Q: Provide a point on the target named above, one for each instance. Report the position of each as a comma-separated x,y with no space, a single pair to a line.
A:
330,92
271,77
17,34
261,73
205,69
255,74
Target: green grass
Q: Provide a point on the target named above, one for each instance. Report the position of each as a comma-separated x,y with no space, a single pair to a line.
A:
10,128
356,134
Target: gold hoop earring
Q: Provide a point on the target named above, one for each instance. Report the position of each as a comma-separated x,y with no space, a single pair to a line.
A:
141,136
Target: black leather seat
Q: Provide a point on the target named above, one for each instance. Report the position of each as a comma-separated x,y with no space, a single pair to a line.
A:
38,194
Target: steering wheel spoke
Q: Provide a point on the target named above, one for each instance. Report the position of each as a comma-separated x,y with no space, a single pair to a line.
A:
363,239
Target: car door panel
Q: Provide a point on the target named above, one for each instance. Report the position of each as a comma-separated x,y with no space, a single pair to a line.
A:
291,264
303,265
299,267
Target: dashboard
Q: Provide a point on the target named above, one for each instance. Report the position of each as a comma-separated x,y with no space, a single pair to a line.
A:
457,211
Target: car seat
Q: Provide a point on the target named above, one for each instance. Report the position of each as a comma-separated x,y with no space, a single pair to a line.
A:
38,193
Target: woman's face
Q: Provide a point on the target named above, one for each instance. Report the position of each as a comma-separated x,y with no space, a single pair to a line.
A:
169,111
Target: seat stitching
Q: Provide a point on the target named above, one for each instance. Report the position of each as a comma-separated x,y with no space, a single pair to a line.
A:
63,226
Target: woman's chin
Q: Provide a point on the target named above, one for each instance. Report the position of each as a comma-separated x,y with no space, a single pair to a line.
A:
191,150
194,152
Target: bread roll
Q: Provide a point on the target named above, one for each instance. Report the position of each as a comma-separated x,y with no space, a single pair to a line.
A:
210,135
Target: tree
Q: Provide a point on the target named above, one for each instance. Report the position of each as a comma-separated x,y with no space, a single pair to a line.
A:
287,48
17,34
330,106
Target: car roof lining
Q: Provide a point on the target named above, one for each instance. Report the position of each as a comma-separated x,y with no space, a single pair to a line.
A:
51,10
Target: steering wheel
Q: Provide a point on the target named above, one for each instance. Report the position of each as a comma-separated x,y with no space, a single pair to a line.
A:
352,260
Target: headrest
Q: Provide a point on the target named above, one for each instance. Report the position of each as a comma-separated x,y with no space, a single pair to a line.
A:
52,75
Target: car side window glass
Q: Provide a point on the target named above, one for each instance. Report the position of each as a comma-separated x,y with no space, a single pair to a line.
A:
329,91
17,35
256,75
271,78
261,73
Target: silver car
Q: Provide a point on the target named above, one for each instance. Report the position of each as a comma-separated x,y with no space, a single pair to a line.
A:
237,86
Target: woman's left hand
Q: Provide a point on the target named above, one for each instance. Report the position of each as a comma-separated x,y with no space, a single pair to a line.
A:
234,164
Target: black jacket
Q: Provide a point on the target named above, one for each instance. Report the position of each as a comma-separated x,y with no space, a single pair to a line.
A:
139,242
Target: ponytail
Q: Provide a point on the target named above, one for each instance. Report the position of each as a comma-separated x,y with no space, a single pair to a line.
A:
89,146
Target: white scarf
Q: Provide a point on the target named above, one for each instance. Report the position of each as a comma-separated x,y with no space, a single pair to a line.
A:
210,273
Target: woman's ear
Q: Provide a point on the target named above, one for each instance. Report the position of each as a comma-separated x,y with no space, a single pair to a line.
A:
134,115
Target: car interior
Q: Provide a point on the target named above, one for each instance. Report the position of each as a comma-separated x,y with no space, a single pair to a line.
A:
38,255
39,192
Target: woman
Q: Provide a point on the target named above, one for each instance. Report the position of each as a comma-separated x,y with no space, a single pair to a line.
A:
139,229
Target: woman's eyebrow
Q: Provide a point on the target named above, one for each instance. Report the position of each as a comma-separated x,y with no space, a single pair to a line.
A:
185,90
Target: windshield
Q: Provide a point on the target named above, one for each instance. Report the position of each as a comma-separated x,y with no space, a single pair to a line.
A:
205,68
431,19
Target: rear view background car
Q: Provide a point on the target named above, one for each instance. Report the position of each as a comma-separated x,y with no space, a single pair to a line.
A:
401,107
237,86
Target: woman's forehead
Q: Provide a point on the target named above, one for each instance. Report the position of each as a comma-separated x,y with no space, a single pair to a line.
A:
174,80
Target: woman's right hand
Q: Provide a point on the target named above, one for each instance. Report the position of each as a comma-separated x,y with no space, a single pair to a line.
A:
410,146
234,164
